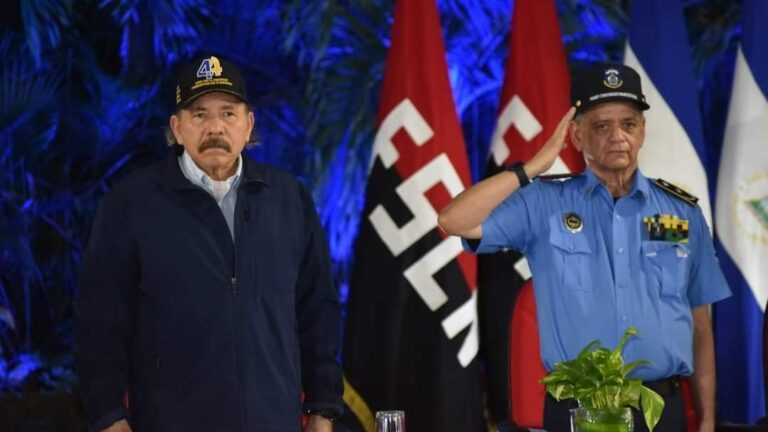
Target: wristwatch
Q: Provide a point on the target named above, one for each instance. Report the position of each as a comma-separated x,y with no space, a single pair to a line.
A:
522,177
330,415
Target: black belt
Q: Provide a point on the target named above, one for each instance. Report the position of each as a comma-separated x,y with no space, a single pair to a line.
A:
665,387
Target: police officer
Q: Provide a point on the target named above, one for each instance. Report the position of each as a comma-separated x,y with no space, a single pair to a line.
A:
608,249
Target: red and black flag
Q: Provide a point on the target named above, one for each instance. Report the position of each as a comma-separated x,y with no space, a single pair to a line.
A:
411,335
534,98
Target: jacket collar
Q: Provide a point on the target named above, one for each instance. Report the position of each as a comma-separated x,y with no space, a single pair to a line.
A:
252,174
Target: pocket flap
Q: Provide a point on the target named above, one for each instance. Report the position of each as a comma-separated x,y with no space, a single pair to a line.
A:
570,242
652,248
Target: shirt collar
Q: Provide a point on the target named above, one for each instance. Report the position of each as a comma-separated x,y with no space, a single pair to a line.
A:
198,177
590,181
640,183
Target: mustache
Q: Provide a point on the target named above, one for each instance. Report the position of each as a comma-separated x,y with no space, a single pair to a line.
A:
211,143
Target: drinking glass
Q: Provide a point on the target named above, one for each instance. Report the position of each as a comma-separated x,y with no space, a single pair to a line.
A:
390,421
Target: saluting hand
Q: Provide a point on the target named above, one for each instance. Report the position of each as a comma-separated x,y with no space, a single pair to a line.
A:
465,214
547,155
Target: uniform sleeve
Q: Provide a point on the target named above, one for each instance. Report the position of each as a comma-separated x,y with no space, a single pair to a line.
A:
318,315
707,283
509,224
108,280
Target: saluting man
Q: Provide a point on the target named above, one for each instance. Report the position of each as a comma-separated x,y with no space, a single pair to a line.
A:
608,249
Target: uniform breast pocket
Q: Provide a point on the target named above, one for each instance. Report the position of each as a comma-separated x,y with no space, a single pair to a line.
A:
667,264
572,256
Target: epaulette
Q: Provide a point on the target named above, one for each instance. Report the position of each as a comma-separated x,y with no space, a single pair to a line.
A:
564,176
676,191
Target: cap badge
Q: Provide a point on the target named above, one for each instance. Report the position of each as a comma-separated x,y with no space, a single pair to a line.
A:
572,222
612,79
209,68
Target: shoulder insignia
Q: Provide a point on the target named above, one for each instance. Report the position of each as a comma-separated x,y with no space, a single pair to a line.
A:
676,191
551,177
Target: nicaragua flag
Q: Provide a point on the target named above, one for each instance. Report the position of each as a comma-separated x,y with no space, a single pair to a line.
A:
742,226
674,146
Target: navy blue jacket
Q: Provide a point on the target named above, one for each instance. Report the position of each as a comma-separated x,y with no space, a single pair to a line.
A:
205,334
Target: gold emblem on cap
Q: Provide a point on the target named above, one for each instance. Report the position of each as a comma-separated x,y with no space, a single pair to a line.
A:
612,79
573,222
209,68
216,66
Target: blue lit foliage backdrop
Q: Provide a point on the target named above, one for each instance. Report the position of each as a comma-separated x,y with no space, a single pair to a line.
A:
85,92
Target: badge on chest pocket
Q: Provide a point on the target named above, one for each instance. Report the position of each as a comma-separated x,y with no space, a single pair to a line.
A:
572,253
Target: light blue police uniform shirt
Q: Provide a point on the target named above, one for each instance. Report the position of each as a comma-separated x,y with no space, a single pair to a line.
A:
594,283
224,192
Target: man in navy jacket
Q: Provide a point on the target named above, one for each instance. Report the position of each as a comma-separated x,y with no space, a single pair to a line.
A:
206,300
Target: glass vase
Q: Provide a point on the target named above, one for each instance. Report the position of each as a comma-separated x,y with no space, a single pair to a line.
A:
601,420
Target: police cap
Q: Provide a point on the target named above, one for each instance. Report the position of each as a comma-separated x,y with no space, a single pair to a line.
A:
607,83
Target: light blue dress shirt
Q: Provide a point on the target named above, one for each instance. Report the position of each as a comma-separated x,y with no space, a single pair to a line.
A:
224,191
608,274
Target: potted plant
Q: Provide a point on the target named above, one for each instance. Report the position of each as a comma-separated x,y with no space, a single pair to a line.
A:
597,380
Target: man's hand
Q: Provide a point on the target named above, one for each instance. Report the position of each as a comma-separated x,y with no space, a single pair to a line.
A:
119,426
547,155
316,423
704,379
464,215
707,427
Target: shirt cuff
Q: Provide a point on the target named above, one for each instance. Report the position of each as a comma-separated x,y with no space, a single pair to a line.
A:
324,407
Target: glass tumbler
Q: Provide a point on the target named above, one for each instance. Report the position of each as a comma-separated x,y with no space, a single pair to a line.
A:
390,421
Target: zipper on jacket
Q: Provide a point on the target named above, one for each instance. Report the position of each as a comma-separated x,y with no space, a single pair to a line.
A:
239,391
237,305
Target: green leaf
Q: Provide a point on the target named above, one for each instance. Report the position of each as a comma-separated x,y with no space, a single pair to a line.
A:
561,392
630,393
631,366
587,349
652,405
630,331
597,377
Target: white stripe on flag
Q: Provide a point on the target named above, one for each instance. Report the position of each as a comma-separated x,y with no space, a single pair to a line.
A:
668,151
742,188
